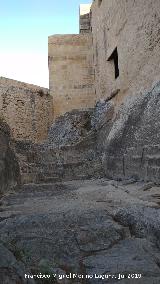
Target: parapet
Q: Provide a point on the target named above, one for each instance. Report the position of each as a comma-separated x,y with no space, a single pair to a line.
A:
27,109
14,84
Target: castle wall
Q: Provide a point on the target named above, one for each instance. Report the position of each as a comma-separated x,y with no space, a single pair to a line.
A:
26,108
134,28
71,76
9,168
84,18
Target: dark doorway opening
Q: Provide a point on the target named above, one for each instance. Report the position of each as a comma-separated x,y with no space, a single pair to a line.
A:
114,58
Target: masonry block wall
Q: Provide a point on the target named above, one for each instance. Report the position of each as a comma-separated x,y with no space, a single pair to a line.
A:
84,18
26,108
132,29
71,74
117,49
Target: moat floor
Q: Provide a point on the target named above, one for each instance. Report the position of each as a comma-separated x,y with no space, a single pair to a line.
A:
92,231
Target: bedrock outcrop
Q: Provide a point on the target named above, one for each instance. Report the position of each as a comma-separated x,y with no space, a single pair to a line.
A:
9,168
70,128
73,149
132,147
91,228
68,218
99,142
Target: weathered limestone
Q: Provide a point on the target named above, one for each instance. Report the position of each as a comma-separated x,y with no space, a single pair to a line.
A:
85,144
9,168
71,76
12,270
45,163
110,62
64,223
26,108
70,128
73,150
133,27
82,67
132,148
86,227
84,18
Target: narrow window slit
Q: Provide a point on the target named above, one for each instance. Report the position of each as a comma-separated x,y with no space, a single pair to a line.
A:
99,3
114,58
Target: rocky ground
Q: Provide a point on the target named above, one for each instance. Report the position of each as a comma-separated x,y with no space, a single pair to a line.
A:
92,231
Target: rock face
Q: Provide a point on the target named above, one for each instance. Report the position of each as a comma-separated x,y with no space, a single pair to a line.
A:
98,229
102,114
9,169
70,128
132,148
44,163
127,143
99,142
73,149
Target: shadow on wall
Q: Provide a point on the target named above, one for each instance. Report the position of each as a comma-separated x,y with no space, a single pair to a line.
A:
9,168
132,148
120,146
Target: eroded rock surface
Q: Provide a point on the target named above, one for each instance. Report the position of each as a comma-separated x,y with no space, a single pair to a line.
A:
70,128
9,169
11,269
132,148
99,142
73,150
72,223
89,227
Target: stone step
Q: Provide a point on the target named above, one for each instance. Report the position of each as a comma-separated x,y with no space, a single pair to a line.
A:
51,179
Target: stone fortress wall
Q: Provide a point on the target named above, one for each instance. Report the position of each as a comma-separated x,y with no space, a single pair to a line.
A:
84,18
125,63
126,36
26,108
71,74
116,53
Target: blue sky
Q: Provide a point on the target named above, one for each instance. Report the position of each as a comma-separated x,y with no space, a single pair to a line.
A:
24,29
